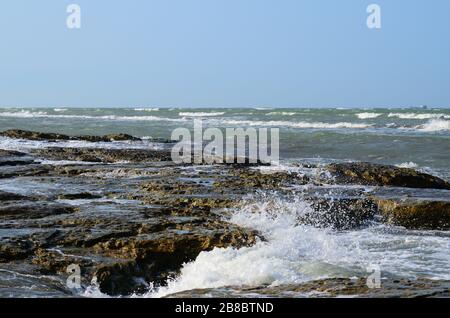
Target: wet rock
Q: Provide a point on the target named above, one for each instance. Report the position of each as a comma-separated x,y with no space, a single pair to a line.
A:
30,170
103,155
33,210
339,213
181,244
124,277
14,158
153,257
119,137
52,261
246,179
333,287
78,196
14,249
33,135
383,175
9,153
415,212
6,196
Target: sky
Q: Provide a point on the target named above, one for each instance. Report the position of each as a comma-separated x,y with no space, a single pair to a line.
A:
225,53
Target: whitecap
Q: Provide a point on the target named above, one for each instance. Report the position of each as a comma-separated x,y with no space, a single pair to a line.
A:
418,116
410,165
292,124
201,114
435,125
146,109
280,114
368,115
28,114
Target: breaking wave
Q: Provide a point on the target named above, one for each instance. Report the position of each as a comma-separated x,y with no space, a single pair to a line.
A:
281,114
146,109
201,114
435,125
410,165
29,114
418,116
301,124
368,115
295,253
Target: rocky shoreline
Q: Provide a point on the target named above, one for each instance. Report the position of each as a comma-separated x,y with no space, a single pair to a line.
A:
130,218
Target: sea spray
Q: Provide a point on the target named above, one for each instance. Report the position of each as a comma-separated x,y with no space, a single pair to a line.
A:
292,253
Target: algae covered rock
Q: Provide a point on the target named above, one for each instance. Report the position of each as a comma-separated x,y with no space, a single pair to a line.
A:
415,213
383,175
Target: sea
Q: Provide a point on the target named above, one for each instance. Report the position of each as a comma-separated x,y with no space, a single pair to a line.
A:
417,138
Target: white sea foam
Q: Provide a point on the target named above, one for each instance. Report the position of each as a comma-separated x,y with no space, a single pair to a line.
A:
67,162
281,114
29,114
201,114
410,164
26,145
24,114
60,109
418,116
435,125
293,124
368,115
146,109
296,253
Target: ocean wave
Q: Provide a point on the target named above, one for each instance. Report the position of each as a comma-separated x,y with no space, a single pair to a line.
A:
201,114
28,114
418,116
146,109
295,253
302,124
368,115
410,165
435,125
60,109
281,114
23,114
27,145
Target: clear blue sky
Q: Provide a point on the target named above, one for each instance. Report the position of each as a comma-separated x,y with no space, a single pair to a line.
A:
230,53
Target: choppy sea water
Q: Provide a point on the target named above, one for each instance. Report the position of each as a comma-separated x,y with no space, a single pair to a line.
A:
395,136
293,253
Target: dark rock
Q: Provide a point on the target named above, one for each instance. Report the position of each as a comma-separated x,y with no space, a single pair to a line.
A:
13,250
415,213
30,170
154,257
382,175
6,196
339,213
11,153
250,179
332,287
103,155
32,135
77,196
119,137
56,262
33,210
14,158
